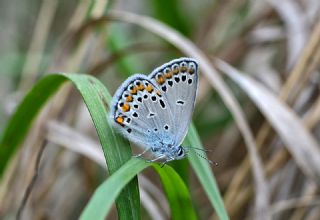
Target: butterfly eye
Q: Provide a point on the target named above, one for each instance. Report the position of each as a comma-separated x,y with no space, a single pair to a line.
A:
183,67
180,152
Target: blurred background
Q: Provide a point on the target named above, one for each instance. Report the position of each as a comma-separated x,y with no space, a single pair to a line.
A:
274,43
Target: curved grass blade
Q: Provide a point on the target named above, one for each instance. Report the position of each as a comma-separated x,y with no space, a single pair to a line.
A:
177,193
116,150
20,122
104,196
203,171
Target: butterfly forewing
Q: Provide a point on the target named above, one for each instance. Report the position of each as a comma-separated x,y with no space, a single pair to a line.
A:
178,81
141,112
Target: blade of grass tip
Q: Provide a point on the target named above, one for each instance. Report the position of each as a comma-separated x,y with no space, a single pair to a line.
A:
299,142
96,97
187,47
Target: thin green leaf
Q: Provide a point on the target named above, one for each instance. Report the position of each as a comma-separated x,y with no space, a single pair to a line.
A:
202,169
177,193
18,125
104,196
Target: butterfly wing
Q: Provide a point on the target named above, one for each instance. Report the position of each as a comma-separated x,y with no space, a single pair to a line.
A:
141,112
178,81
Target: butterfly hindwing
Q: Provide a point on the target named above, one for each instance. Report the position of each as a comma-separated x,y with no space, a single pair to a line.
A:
178,81
141,112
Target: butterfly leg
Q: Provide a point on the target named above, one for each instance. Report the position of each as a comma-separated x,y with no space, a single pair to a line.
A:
165,162
157,158
139,155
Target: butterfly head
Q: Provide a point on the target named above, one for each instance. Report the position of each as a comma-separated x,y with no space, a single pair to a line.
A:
178,153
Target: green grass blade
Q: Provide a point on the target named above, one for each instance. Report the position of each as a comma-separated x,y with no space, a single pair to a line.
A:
104,196
20,122
177,194
202,169
116,150
176,191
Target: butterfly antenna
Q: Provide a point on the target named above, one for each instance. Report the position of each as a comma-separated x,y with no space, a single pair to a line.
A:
195,148
204,157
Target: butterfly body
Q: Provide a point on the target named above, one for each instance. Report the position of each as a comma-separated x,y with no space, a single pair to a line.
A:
155,111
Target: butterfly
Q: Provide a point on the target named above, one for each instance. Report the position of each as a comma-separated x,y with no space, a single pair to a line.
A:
155,111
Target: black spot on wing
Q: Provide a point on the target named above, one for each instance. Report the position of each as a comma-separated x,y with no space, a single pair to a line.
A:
180,102
162,103
153,98
151,115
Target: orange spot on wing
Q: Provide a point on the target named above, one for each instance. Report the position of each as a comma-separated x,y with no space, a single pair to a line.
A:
141,87
120,120
129,98
175,70
191,70
149,88
160,79
133,90
168,75
183,68
125,107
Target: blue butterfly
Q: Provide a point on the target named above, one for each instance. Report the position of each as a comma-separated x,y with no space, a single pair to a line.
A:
155,111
